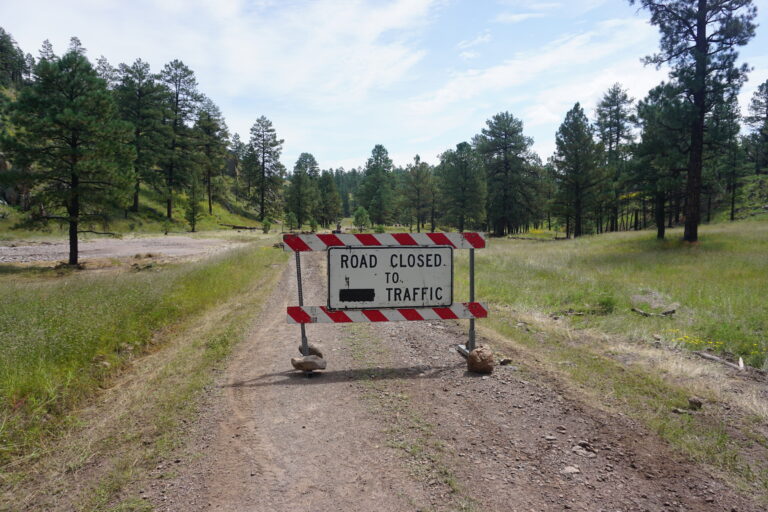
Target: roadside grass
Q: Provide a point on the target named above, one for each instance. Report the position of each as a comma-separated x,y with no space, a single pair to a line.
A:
61,339
719,284
589,284
716,437
170,400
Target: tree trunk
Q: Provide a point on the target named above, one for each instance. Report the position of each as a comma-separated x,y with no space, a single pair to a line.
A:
733,200
135,206
169,199
73,212
658,208
210,192
432,220
671,215
693,192
263,181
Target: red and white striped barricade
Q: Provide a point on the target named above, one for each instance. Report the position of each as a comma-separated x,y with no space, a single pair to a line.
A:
388,277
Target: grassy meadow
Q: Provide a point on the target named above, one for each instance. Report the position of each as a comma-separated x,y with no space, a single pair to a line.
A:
718,286
61,338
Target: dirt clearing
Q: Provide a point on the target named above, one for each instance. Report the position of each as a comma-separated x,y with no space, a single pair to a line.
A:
168,246
396,423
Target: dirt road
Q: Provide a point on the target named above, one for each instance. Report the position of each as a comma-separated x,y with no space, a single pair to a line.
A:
396,424
169,246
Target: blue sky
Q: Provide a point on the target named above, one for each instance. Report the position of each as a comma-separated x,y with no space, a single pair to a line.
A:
338,77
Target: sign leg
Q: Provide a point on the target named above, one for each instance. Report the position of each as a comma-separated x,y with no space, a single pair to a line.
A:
471,341
304,343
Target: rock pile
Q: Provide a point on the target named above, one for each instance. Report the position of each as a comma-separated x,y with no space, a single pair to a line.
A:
313,361
480,360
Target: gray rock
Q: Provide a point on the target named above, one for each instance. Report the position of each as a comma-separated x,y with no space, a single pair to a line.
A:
314,350
480,360
695,403
308,363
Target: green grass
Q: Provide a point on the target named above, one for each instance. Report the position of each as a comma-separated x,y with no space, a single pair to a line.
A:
720,284
62,338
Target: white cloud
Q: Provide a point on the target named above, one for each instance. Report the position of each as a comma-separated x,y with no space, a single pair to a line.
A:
508,17
561,59
467,55
484,37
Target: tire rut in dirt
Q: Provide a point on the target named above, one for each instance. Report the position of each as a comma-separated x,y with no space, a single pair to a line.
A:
272,439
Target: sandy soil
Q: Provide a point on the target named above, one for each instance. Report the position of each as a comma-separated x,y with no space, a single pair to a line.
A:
396,424
168,246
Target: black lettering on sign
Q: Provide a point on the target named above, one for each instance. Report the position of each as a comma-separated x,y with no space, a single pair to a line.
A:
356,295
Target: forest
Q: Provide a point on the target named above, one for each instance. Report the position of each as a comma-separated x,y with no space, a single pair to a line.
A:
81,139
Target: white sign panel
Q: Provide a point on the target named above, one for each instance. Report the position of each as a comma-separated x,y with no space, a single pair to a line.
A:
390,277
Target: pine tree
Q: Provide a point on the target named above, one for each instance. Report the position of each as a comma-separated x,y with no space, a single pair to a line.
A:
376,192
140,101
193,212
614,120
661,153
699,40
462,187
511,178
211,139
302,197
237,153
417,190
72,144
181,105
329,203
577,160
266,149
13,63
361,219
758,120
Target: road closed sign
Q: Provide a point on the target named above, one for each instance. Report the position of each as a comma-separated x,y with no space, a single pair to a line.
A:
389,277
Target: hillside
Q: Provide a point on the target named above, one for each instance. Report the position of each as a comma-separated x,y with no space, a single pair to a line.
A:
150,219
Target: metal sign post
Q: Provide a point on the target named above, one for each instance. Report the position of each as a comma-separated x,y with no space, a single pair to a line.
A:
471,341
304,343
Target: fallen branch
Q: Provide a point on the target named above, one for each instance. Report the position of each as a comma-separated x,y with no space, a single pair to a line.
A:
107,233
235,226
639,311
720,360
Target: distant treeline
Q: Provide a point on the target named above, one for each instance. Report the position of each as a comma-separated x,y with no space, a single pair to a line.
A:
79,141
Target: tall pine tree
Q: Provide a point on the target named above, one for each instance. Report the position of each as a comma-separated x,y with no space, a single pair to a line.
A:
376,192
266,150
699,40
462,187
507,157
181,106
577,161
140,101
73,146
